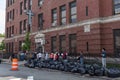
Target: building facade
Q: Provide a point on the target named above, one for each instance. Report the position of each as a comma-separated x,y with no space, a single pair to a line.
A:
64,25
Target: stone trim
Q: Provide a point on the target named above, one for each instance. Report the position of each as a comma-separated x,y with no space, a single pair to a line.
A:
78,24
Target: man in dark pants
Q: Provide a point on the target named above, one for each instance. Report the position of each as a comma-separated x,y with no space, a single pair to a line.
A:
103,58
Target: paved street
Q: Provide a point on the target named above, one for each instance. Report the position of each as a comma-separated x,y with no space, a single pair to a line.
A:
42,74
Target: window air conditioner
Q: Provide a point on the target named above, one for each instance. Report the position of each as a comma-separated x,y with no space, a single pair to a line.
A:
41,3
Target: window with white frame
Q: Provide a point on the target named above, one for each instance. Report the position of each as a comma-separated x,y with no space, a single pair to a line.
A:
116,6
54,17
63,15
73,12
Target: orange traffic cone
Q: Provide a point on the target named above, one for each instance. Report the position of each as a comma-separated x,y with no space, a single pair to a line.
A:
14,64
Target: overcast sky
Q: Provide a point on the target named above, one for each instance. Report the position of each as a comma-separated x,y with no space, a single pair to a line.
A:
2,16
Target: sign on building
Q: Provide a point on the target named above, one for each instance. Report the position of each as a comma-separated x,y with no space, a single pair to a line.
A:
87,28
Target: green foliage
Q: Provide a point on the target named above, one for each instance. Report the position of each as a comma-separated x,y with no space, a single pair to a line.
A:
27,43
2,35
2,46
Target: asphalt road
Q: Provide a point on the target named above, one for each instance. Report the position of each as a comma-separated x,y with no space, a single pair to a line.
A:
43,74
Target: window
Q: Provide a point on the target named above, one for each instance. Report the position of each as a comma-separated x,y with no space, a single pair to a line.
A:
20,44
12,47
20,30
116,6
54,44
25,4
86,10
7,16
62,47
21,8
29,4
40,21
13,14
12,1
9,50
25,25
7,32
54,17
12,30
8,3
63,15
10,19
40,2
72,44
73,12
6,47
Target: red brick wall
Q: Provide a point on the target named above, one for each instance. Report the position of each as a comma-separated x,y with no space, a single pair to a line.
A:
101,35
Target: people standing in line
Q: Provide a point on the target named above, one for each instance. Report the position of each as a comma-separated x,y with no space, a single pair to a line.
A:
34,55
22,56
46,56
43,55
56,56
64,55
39,56
13,55
81,58
51,56
103,58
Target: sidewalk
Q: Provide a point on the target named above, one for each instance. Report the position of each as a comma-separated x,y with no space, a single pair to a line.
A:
108,59
20,63
97,59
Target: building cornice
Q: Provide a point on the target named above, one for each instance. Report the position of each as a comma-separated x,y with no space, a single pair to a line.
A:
100,20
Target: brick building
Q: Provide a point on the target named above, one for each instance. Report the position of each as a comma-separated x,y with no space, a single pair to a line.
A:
65,25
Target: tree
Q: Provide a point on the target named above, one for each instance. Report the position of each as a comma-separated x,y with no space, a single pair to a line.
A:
2,46
27,43
2,35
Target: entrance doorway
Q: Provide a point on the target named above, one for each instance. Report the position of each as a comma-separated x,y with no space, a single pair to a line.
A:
39,47
117,42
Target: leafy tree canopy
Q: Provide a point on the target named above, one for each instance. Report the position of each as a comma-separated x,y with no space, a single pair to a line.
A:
2,46
27,43
2,35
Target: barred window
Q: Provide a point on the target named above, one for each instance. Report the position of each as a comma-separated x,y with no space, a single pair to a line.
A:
73,44
62,47
54,44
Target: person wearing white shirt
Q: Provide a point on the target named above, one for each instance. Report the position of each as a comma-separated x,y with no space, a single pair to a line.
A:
46,56
39,55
